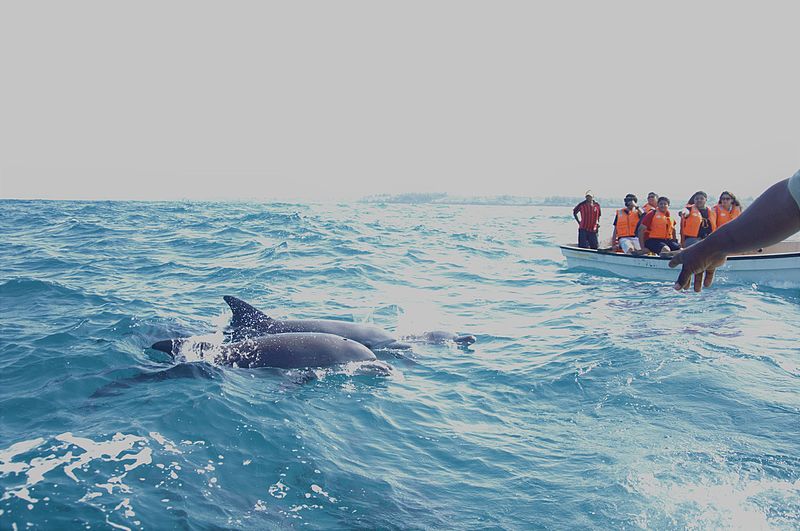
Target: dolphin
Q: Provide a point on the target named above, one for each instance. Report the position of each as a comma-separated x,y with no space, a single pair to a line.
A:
182,370
248,321
283,351
440,337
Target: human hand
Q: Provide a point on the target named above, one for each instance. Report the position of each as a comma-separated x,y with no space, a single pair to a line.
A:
700,261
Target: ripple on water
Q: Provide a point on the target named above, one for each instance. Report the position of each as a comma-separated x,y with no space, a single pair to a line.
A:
588,401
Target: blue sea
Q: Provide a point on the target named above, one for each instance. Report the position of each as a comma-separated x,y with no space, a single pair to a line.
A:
588,401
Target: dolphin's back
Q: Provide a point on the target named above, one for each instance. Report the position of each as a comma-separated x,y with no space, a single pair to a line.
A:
245,315
366,334
295,350
250,322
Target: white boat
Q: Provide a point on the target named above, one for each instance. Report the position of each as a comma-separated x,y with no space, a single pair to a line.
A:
778,265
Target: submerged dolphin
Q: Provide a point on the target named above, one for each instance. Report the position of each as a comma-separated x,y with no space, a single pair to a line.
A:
248,321
440,336
283,351
182,370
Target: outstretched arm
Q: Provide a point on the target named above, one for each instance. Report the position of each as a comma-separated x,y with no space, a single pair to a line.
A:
773,217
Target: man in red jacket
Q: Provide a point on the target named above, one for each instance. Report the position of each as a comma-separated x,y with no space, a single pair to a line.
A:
589,222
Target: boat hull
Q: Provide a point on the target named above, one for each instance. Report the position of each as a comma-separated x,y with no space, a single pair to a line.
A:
781,269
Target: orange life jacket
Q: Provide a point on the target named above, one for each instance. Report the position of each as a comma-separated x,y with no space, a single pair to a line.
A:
690,227
647,208
626,223
683,219
723,216
662,226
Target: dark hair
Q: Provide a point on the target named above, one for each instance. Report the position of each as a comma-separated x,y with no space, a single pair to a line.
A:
733,198
663,198
699,192
652,194
630,196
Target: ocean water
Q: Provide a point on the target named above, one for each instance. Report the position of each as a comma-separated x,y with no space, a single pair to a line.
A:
588,401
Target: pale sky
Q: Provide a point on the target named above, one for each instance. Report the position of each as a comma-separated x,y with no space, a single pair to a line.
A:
337,100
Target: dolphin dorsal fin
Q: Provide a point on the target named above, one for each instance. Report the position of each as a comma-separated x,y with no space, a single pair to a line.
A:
245,315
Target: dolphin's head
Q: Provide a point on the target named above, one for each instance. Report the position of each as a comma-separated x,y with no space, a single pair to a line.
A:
441,336
465,340
170,346
181,349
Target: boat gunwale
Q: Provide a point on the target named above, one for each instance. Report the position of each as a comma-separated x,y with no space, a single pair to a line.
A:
647,257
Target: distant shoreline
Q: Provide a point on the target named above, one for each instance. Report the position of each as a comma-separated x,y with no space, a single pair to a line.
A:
501,200
446,199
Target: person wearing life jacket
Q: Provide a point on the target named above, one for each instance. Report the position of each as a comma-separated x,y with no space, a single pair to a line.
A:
689,205
698,221
773,217
652,203
657,230
727,209
625,223
687,208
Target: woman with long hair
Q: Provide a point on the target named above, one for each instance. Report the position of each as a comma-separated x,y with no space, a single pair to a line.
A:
727,209
698,220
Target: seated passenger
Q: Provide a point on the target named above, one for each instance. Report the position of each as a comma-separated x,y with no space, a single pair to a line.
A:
652,203
698,220
773,216
727,209
687,208
627,219
657,230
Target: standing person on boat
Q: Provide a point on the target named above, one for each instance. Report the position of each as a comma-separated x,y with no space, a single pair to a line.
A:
626,221
589,222
772,218
652,203
657,230
727,209
698,220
